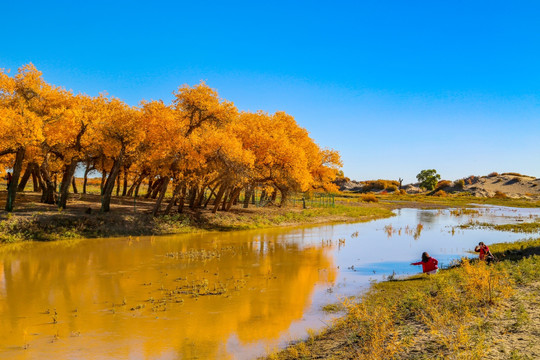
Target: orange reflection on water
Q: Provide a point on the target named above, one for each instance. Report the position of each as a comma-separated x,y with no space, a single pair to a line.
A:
199,296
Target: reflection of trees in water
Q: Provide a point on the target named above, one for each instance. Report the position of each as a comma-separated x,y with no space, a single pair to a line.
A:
429,217
278,278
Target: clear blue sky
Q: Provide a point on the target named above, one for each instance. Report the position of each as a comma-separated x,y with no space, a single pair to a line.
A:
395,86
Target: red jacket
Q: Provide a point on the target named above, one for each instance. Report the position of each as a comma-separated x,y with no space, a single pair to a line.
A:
429,265
484,250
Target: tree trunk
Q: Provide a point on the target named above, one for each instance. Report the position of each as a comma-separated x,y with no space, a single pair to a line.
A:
137,188
253,196
74,185
218,197
284,197
225,198
163,190
69,170
103,179
212,193
12,188
37,174
25,178
109,184
174,197
248,193
157,187
118,182
200,197
182,199
85,181
136,183
263,196
48,190
274,195
35,178
150,184
192,196
233,197
124,190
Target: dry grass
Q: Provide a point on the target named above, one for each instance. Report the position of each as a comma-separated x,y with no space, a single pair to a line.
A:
500,195
380,184
369,198
440,193
443,184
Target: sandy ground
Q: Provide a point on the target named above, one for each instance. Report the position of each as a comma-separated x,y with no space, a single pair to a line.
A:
516,334
511,185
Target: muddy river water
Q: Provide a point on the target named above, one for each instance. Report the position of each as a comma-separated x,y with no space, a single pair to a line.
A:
233,295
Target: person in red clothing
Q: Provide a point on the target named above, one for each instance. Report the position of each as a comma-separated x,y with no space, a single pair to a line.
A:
429,264
484,253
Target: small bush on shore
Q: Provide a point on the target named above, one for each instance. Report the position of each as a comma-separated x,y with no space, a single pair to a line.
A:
471,180
371,185
440,193
369,198
392,188
443,184
460,184
500,195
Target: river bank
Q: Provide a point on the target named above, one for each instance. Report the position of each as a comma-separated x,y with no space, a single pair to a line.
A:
33,220
43,222
471,311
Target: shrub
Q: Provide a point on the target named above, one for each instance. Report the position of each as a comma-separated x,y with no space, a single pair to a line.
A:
512,174
371,185
460,184
493,174
471,180
369,198
500,195
392,188
402,192
441,193
443,184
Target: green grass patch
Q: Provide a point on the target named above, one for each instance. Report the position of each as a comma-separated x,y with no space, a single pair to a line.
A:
522,227
452,200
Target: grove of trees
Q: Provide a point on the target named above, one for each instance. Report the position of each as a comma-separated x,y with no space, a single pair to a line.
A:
199,144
